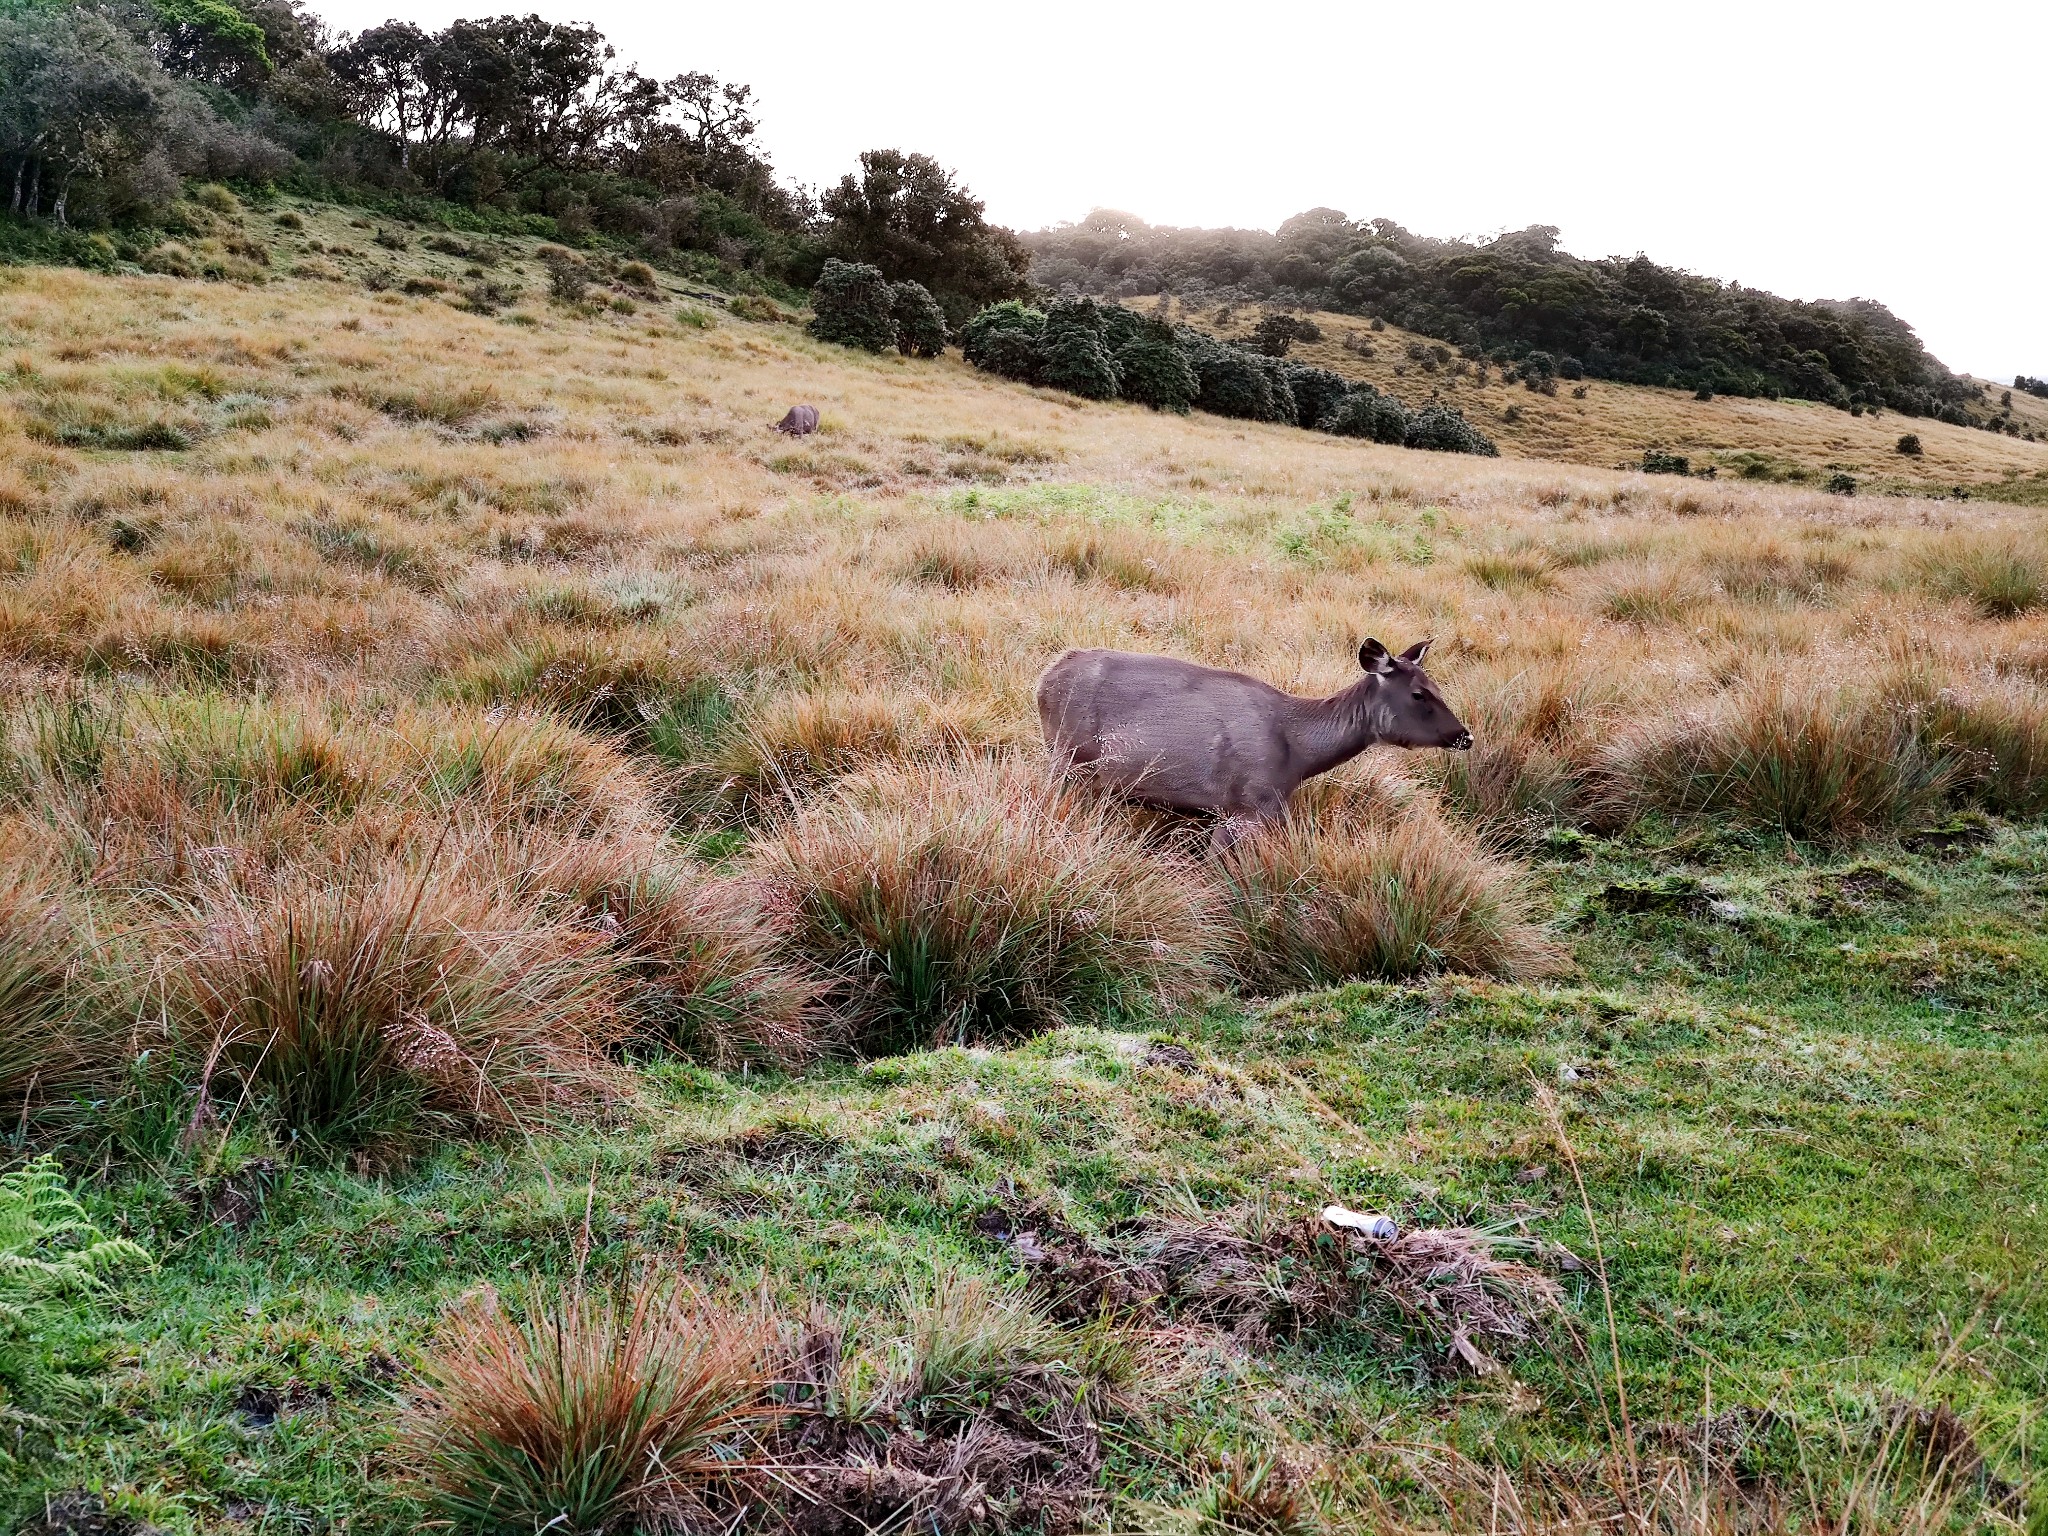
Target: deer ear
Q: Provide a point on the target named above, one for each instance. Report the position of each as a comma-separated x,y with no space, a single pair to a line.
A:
1414,654
1374,657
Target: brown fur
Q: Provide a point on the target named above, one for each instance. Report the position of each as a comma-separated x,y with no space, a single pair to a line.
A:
1173,733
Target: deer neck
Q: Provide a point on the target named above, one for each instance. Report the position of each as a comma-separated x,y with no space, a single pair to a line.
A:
1335,730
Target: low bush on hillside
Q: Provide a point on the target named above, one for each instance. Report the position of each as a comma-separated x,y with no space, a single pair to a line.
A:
853,304
950,902
1359,893
1105,351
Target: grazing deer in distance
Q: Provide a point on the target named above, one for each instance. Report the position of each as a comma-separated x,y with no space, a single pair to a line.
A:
1172,733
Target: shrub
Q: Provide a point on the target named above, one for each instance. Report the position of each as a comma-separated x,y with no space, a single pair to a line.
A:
1801,757
1275,334
1233,382
54,1265
1071,357
973,900
1704,392
568,274
1154,369
1909,445
920,323
852,304
1444,429
1570,368
1365,895
1841,485
1656,461
635,274
1316,392
359,1011
1003,339
1365,412
588,1413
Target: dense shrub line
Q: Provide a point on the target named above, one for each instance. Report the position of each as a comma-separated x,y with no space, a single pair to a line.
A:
1518,298
1106,351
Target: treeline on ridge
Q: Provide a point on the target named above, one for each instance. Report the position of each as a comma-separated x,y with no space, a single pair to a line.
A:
511,124
517,124
1627,319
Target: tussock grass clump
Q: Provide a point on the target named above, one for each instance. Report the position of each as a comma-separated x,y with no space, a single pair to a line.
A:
607,685
1648,594
793,745
1363,894
1535,733
701,968
1809,758
42,1025
1523,570
968,900
588,1413
1992,732
359,1011
2000,578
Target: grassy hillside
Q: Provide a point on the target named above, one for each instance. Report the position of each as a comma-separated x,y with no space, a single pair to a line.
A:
488,830
1596,421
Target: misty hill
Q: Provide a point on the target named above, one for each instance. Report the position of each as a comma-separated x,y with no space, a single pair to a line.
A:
1627,319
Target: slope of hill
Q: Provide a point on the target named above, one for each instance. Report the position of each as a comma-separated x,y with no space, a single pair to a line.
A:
488,829
1597,421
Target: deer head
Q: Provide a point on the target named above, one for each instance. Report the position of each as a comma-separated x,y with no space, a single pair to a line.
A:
1413,711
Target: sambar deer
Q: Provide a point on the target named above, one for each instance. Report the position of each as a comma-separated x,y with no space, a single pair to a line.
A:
1173,733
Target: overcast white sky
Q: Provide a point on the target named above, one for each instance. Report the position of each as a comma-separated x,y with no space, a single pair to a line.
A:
1817,148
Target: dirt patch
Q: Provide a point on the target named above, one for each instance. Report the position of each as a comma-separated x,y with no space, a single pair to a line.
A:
1255,1280
1022,1451
80,1512
1959,834
1677,894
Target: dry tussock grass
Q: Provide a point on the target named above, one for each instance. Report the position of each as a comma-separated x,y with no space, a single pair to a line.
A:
426,577
977,900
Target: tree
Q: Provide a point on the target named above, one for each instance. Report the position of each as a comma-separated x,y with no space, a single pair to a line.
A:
920,323
1316,392
211,40
397,78
78,98
1154,369
544,91
854,306
906,215
1365,412
1003,339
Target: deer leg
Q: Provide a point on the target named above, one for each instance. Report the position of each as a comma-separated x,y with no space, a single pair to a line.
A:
1234,824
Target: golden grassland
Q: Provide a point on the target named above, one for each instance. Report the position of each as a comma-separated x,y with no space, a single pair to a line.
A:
1596,421
412,712
395,520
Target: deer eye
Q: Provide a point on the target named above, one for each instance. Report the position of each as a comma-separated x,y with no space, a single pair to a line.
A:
1420,694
